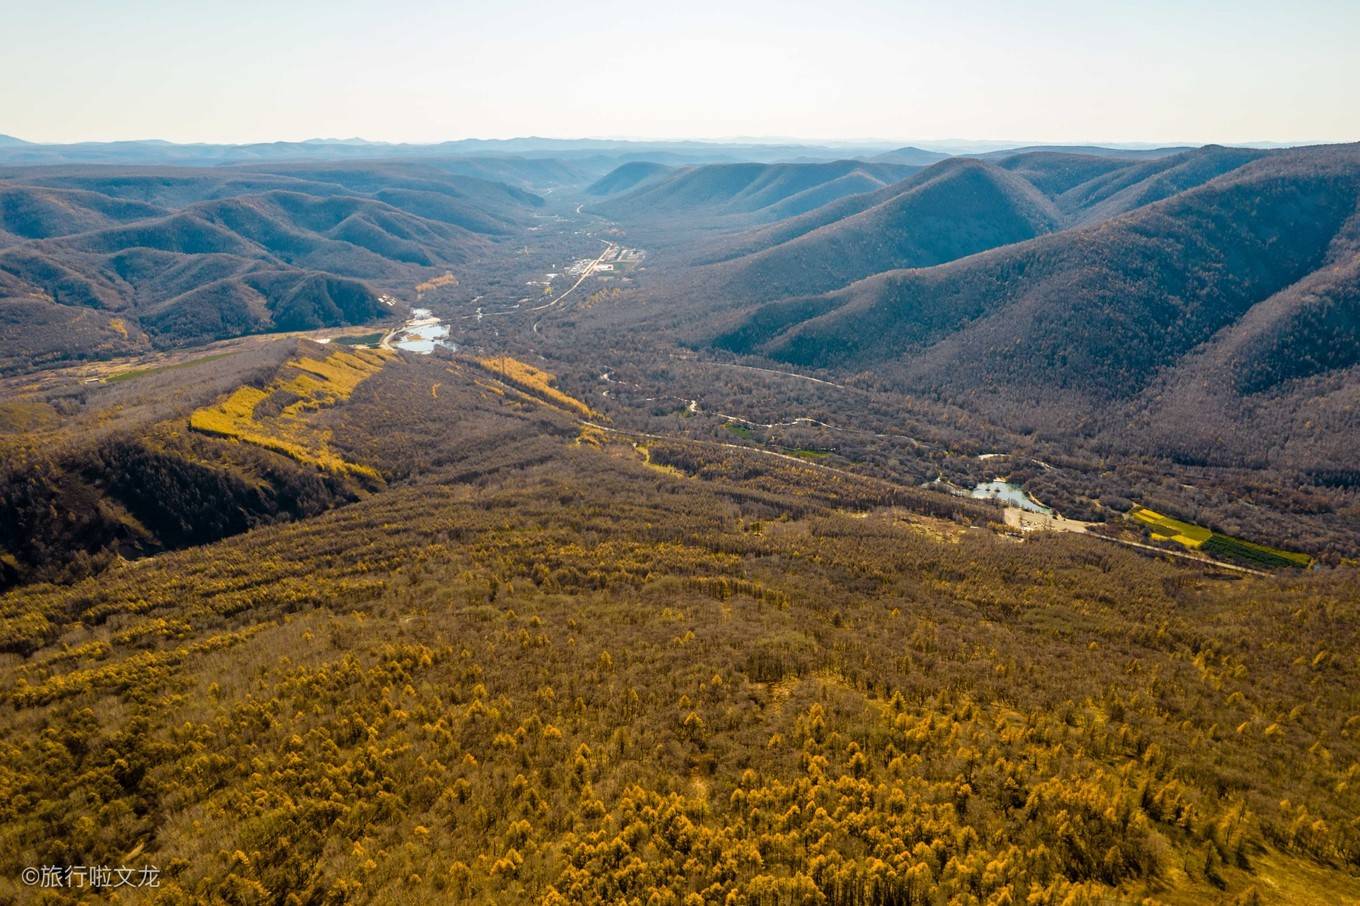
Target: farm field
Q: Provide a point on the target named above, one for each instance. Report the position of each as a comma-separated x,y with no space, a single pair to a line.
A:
1216,544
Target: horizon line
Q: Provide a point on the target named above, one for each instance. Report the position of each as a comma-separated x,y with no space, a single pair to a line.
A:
758,141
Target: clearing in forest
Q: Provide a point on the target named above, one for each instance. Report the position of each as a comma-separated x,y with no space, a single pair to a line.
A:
534,381
273,417
1216,544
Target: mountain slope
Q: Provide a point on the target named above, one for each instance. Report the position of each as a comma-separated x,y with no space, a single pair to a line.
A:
1144,183
34,212
626,177
718,190
1278,388
1080,188
1054,173
955,208
916,157
767,236
1087,315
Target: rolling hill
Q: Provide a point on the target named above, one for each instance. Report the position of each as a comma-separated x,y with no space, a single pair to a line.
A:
1145,182
1054,173
40,212
101,261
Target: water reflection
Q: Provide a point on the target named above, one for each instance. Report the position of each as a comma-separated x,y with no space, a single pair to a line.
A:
422,333
1010,494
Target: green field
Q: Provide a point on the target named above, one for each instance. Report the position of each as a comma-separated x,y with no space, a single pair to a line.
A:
120,376
1230,548
362,339
1216,544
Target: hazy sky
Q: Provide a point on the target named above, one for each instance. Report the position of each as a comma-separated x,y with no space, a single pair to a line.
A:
1046,70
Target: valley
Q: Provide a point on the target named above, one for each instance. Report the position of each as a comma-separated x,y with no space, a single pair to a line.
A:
600,315
847,532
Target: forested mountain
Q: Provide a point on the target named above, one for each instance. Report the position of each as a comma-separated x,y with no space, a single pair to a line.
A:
627,176
1055,172
759,191
113,260
119,476
1277,387
1074,320
952,209
1118,191
1085,150
955,208
916,157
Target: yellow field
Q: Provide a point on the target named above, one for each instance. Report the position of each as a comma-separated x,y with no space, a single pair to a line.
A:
534,380
312,384
1167,529
445,279
1216,544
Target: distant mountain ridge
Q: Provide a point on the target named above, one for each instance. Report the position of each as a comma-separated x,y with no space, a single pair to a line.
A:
909,155
956,207
626,177
1089,150
764,191
159,152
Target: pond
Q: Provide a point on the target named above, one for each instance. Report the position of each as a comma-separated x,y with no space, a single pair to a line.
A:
1009,494
422,333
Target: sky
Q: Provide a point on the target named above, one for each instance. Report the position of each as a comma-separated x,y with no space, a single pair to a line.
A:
398,70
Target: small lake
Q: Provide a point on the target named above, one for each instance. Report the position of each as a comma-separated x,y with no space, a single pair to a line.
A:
422,333
1009,494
